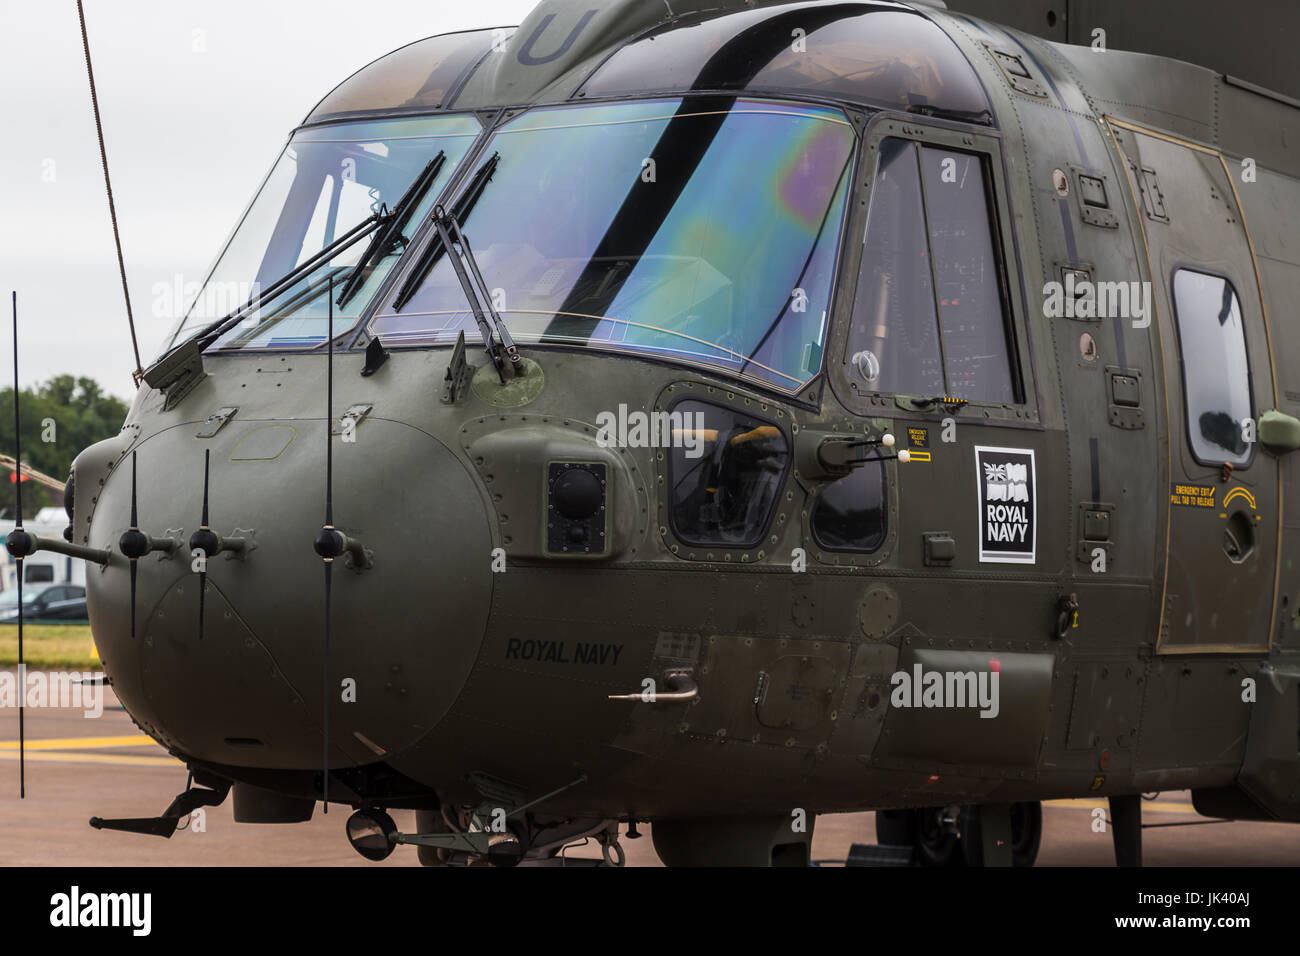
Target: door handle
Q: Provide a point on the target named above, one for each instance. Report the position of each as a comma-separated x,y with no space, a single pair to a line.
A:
1238,538
681,686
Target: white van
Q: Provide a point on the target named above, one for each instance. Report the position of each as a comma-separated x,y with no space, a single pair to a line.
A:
42,567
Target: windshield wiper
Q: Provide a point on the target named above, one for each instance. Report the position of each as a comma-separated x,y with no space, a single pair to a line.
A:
393,234
205,336
477,293
306,294
434,250
388,223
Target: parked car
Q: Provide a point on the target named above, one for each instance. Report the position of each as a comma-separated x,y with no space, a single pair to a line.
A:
45,602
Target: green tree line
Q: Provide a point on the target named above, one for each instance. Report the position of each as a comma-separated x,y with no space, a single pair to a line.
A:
59,418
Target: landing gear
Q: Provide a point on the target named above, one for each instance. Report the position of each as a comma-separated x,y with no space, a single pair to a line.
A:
1026,832
611,851
896,827
932,832
937,836
986,834
430,821
974,835
1126,829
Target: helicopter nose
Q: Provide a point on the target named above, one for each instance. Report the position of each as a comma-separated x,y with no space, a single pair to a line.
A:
229,662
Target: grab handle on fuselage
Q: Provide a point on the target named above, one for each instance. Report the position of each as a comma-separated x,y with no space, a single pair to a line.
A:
681,687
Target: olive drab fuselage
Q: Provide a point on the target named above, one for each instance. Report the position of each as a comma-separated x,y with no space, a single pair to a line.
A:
1063,537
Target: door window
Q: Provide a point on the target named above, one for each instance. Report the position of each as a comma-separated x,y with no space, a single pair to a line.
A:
1216,372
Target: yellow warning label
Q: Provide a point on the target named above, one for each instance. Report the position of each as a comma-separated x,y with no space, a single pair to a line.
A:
918,443
1192,496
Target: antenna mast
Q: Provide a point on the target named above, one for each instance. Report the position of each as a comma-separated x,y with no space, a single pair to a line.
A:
108,185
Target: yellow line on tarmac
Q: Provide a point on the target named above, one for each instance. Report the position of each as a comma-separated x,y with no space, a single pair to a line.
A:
121,759
9,748
1157,806
81,743
47,750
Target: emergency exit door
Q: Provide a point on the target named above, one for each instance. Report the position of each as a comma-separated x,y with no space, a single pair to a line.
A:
1224,490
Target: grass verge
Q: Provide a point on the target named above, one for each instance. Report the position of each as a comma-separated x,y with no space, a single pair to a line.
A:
61,646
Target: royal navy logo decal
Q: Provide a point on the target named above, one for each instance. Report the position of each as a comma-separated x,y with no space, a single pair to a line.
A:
1008,500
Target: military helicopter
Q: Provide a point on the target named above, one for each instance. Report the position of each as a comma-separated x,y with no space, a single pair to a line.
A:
718,414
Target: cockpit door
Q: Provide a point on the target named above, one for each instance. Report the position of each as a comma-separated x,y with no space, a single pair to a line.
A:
1224,489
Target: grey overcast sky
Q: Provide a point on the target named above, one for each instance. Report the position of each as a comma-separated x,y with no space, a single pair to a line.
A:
197,98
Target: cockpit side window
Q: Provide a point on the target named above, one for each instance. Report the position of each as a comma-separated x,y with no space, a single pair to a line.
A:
725,470
968,277
894,343
852,514
929,317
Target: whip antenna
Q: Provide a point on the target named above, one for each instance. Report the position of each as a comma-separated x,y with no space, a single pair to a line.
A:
108,185
329,545
329,562
19,552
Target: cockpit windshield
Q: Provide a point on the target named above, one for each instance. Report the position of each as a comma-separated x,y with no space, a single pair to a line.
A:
704,229
328,180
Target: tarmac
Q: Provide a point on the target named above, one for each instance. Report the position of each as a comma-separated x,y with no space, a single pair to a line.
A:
78,768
